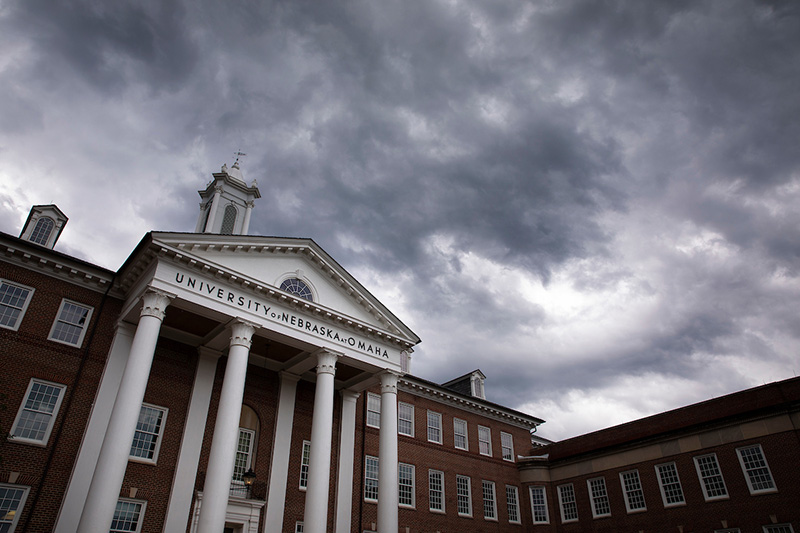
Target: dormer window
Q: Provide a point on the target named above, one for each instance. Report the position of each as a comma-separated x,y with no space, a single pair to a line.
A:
477,385
42,230
297,287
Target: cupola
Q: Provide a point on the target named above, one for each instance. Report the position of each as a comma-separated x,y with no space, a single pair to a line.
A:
226,203
44,225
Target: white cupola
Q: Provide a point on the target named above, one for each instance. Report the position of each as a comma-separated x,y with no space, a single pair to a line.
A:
226,203
44,225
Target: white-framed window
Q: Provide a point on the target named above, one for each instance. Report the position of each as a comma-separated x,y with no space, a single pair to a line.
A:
566,501
405,480
371,479
710,477
598,496
489,501
405,419
670,485
436,491
434,427
539,504
14,300
756,470
778,528
298,527
37,414
42,230
512,504
507,445
373,410
460,434
632,490
12,501
305,459
147,438
484,440
128,516
244,453
464,495
228,220
70,324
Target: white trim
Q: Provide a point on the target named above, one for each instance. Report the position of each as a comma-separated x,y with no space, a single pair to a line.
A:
510,446
159,435
677,481
487,441
468,495
84,326
20,506
572,501
367,460
593,498
774,528
747,472
515,491
22,309
374,409
13,437
440,475
629,489
534,505
304,462
438,427
400,406
465,434
142,507
413,504
493,500
703,480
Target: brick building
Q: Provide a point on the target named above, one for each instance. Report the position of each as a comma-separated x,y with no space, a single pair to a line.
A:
728,464
220,381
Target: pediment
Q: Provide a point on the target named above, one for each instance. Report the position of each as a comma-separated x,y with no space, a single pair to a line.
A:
267,261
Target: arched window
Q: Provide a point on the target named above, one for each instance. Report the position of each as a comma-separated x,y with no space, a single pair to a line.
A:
41,233
228,220
297,287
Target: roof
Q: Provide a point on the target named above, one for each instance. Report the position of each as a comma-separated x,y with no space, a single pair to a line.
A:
738,405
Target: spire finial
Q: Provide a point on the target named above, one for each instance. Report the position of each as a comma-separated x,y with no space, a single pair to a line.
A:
238,154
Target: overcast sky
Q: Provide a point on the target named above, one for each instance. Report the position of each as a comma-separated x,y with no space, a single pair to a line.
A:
595,203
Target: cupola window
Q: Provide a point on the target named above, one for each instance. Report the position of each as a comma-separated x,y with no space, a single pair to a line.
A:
228,220
42,230
297,287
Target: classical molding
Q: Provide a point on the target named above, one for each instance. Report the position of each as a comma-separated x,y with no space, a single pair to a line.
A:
350,396
242,332
155,302
326,362
388,382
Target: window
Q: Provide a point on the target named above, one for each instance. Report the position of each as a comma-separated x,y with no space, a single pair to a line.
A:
127,516
298,527
778,528
484,440
670,485
710,477
38,412
297,287
464,495
460,434
406,485
507,445
304,462
228,220
373,410
512,504
539,505
41,232
489,501
147,439
405,419
14,300
70,324
436,490
566,500
244,453
371,479
12,501
434,427
632,490
599,497
756,470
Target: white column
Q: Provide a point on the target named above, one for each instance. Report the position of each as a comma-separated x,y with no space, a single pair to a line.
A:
180,499
279,471
212,216
246,223
216,489
347,443
319,467
98,511
388,491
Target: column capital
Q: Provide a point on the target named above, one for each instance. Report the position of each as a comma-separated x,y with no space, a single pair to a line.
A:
326,362
242,332
388,382
154,303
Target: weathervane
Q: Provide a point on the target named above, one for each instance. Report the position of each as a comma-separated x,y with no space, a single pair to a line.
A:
238,154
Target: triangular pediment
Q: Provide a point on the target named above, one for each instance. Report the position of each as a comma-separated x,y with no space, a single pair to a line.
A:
266,262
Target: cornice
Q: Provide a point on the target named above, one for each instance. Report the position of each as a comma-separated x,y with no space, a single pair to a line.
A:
180,254
440,395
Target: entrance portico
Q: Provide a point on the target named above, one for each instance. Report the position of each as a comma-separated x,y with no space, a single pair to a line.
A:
343,340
